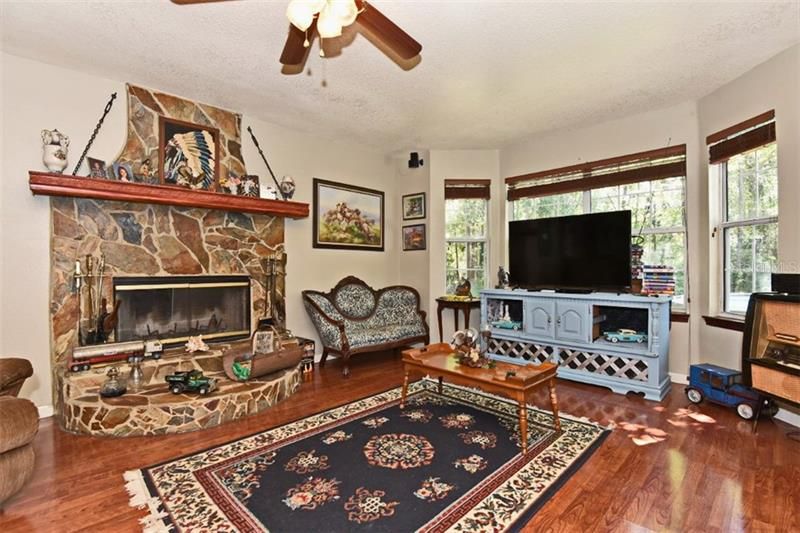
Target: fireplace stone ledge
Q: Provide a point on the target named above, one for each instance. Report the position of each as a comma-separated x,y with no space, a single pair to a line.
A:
154,410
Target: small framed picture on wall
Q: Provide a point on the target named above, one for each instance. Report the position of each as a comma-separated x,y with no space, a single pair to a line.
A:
414,206
414,237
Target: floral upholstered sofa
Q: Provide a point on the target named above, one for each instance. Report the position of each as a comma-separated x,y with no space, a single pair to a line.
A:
355,318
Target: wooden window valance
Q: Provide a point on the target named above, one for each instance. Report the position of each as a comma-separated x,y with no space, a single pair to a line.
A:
651,165
742,137
458,188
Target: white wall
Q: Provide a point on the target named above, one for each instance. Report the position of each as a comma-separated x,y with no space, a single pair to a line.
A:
646,131
37,95
466,164
413,266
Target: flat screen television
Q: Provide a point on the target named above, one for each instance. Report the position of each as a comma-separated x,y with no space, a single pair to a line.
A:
579,252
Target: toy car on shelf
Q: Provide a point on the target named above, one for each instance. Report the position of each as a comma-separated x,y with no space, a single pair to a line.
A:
507,324
191,381
624,335
723,386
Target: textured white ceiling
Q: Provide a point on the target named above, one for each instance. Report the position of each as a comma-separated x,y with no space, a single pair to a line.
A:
491,72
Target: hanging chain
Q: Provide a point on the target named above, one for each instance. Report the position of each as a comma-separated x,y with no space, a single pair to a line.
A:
264,158
94,133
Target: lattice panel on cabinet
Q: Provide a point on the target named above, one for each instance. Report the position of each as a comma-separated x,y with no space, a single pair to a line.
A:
610,365
534,353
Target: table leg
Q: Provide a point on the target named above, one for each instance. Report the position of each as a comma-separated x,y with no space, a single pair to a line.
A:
439,315
523,423
455,318
466,316
440,384
405,391
554,403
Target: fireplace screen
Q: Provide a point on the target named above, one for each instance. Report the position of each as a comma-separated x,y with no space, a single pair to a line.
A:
174,308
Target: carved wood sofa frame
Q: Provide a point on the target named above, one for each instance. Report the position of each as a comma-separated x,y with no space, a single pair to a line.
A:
345,350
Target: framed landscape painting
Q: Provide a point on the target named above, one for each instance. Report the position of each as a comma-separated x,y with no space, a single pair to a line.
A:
414,206
347,217
414,237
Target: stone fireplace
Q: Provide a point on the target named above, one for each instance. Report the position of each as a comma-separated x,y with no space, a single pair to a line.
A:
173,308
175,269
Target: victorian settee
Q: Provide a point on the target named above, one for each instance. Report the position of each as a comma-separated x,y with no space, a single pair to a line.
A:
355,318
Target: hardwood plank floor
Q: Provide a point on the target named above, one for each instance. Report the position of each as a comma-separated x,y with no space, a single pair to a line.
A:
665,467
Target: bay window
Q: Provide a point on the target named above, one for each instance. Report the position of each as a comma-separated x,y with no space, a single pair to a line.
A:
652,185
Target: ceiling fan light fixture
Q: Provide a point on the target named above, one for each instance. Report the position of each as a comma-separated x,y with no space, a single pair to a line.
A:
345,10
301,14
328,24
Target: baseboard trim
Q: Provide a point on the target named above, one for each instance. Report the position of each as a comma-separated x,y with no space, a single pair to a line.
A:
677,377
46,411
790,417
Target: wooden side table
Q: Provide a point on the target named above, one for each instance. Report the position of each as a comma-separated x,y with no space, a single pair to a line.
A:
456,306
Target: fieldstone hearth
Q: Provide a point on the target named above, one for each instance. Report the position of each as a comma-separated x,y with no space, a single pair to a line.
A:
154,410
142,240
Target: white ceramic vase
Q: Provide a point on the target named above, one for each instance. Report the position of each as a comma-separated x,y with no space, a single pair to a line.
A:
55,147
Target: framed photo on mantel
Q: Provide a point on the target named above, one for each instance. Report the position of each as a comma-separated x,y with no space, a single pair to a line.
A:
347,217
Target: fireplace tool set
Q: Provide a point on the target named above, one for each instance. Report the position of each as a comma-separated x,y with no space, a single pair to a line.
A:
95,322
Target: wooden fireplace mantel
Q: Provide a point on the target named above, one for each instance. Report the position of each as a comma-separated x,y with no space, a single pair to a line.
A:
100,189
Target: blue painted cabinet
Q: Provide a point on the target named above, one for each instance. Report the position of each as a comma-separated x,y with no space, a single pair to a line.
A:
572,321
568,329
541,318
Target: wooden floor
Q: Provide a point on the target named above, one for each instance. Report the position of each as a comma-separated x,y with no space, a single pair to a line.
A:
665,467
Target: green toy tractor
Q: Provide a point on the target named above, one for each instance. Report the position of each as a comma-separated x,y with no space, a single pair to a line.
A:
191,381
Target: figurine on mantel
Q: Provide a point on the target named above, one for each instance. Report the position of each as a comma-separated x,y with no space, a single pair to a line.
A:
55,147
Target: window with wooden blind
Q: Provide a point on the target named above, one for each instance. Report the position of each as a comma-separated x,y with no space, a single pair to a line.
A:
651,184
466,232
746,158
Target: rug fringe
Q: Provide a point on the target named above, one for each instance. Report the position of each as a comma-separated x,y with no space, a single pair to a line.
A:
140,499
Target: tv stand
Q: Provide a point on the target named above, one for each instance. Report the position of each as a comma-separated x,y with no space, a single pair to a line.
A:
567,328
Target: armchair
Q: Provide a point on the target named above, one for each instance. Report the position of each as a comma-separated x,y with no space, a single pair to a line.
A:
19,422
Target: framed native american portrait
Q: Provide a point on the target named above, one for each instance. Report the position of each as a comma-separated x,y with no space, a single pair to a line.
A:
347,217
188,154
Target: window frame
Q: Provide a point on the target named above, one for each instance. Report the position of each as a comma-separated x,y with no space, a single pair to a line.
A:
469,240
723,272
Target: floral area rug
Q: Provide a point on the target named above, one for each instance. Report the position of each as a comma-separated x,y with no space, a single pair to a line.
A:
444,462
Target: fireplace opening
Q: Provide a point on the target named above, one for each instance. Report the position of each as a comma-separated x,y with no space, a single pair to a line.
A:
176,307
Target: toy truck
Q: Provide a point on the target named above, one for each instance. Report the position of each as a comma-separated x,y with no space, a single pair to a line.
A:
191,381
723,386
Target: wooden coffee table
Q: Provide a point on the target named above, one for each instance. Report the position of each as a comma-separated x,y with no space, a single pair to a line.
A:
437,360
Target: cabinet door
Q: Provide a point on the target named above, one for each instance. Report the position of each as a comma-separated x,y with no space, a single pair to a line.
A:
572,321
541,320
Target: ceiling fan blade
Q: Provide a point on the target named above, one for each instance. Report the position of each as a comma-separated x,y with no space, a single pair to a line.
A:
294,51
387,31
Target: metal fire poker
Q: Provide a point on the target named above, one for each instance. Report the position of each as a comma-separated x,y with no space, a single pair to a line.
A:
260,151
94,134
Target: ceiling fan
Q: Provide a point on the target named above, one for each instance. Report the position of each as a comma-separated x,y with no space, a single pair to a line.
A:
326,18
